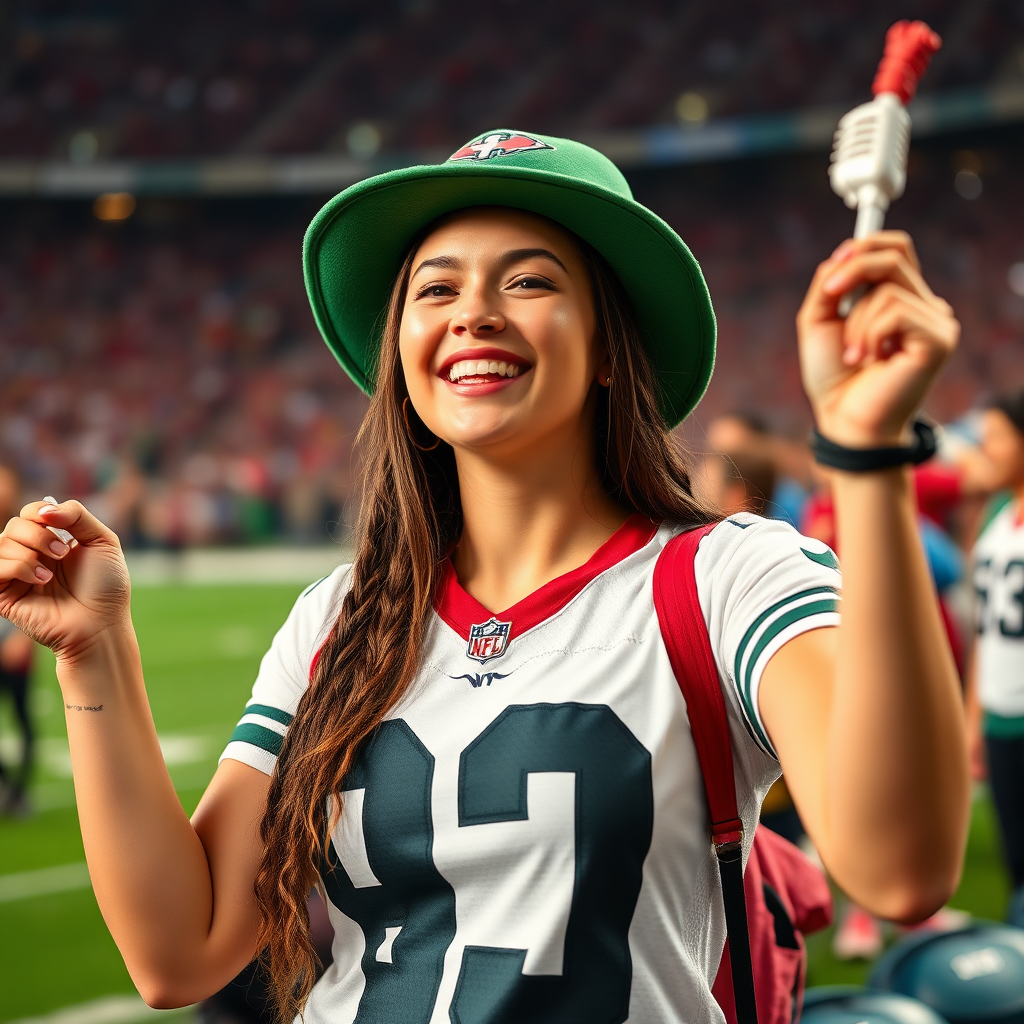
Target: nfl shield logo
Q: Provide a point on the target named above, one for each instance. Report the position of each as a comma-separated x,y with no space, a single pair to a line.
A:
488,640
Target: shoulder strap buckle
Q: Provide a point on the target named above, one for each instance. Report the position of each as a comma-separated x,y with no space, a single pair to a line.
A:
727,838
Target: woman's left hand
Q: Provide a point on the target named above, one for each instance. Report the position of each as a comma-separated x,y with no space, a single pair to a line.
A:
867,375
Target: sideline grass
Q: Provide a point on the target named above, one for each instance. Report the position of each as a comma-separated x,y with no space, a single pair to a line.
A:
201,648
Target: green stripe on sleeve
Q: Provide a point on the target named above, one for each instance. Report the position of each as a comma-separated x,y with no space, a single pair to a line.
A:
785,620
767,614
258,736
276,714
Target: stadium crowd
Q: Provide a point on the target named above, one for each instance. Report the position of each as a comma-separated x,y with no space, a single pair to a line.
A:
174,377
759,230
181,383
180,79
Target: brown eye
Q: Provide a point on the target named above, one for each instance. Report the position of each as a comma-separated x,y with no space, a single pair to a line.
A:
435,291
531,283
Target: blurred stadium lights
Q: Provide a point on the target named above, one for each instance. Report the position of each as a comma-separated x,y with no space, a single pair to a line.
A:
363,140
83,147
1015,278
968,184
692,108
656,146
114,206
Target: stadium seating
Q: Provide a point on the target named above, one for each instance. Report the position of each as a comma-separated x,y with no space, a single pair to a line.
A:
171,365
181,377
180,79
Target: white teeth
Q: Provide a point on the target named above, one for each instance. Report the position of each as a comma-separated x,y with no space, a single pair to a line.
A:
478,368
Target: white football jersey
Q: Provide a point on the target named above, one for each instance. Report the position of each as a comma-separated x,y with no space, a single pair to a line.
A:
526,839
999,582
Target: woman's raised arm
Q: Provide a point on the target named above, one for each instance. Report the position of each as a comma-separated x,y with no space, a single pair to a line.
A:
177,897
867,719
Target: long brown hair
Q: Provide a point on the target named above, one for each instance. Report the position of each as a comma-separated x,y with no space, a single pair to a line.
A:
410,519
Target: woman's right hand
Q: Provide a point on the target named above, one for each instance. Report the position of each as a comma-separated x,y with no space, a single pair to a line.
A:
64,597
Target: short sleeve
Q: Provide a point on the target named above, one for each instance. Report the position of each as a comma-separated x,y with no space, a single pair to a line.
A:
284,673
760,584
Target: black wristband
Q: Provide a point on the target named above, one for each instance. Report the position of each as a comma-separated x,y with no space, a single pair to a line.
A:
870,460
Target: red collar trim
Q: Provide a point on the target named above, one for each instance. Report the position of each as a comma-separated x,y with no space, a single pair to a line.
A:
461,610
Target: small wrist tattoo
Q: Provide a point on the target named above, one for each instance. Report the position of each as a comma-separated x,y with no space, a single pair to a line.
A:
84,707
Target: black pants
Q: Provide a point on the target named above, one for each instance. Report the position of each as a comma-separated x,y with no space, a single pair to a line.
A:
1006,777
16,684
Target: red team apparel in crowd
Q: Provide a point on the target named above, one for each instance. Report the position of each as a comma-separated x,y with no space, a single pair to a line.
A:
533,831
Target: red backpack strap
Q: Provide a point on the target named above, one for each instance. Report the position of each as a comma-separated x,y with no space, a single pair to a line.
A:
693,662
689,651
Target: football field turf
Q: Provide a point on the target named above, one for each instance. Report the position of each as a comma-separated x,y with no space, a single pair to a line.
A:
201,647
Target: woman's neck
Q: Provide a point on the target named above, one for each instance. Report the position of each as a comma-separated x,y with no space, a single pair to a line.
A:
528,519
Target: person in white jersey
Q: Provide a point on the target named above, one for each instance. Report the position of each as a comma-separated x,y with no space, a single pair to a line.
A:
471,738
996,683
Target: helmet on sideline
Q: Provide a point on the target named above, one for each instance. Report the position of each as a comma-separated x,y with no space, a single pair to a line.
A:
847,1004
976,974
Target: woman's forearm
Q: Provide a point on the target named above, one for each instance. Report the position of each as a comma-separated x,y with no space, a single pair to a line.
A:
897,788
148,867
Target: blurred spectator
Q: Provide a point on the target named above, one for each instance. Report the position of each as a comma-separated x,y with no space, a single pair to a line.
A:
16,651
746,435
739,482
174,381
996,689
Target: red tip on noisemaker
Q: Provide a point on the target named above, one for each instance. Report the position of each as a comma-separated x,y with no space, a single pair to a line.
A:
909,46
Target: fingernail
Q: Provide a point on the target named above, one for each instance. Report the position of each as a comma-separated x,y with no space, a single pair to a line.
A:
43,574
835,282
50,498
61,534
47,509
59,548
843,250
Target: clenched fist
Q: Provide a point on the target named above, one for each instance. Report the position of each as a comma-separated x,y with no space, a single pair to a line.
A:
867,375
63,597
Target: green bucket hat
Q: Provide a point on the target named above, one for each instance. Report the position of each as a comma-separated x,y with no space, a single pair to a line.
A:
355,245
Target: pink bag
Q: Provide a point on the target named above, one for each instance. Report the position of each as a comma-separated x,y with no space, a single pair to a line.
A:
782,895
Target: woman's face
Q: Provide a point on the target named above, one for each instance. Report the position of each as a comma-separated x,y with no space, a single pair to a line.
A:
1003,444
497,340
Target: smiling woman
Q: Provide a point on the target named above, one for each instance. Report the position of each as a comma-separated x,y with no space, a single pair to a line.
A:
531,842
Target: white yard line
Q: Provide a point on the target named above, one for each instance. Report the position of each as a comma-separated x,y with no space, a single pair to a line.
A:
122,1009
44,882
206,566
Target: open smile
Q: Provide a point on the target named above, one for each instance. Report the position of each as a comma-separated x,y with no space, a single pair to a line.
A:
478,367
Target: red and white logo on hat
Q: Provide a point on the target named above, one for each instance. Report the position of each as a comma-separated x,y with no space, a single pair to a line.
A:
498,144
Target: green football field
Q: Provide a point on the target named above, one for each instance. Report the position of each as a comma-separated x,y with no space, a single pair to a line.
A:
201,647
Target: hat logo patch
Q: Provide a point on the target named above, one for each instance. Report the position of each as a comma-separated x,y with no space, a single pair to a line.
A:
487,147
488,640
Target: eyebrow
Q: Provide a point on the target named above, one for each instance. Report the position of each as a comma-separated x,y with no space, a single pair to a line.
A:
506,259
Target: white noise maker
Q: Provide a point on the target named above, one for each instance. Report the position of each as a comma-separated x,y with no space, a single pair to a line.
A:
869,154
